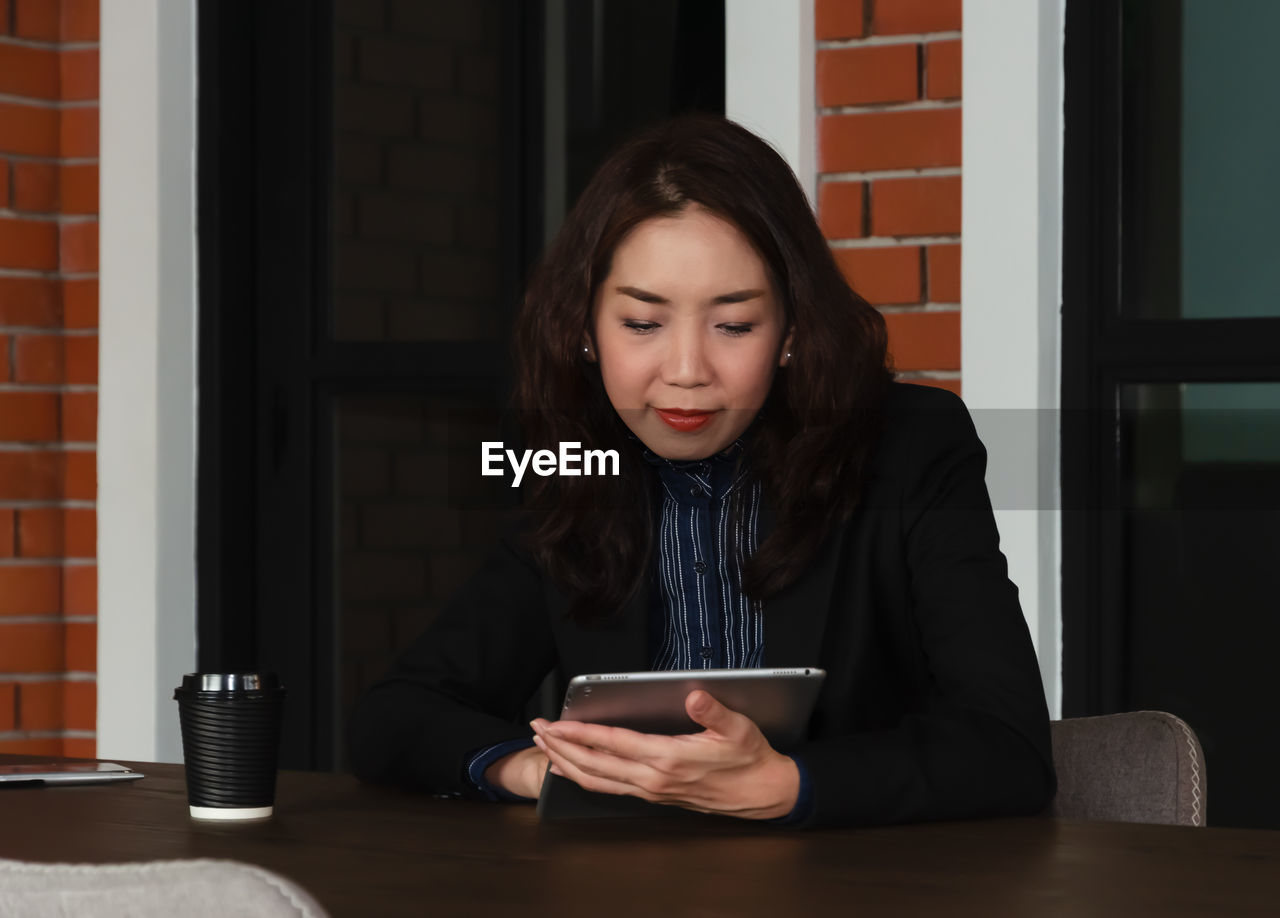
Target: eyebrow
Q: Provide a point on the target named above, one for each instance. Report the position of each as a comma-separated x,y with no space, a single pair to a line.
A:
737,296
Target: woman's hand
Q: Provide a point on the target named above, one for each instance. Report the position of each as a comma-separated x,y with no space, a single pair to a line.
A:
728,768
519,772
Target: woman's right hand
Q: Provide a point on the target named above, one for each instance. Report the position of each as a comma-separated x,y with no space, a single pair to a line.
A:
519,772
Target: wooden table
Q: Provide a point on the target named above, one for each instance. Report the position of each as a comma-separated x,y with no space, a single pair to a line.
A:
372,851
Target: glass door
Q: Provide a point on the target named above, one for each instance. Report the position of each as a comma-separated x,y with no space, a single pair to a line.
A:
377,177
1171,380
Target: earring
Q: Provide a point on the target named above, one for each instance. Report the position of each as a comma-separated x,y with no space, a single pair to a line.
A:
586,350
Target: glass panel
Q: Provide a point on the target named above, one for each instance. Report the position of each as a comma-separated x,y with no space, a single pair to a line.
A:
1201,505
417,115
1200,145
414,519
614,67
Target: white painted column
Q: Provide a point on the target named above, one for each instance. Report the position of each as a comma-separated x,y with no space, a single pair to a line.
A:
1011,290
769,79
147,374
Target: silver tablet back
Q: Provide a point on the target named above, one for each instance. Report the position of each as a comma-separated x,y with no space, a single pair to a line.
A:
780,701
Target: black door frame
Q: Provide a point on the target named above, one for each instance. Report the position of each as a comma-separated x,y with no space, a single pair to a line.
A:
269,373
1103,350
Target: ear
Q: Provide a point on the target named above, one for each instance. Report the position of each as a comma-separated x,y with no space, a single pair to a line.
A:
784,357
588,348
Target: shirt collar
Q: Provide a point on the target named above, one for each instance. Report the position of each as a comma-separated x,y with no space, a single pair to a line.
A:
696,479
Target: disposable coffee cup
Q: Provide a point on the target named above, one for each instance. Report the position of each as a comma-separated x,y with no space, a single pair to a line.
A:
230,742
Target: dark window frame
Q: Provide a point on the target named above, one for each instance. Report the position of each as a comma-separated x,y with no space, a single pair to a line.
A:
269,373
1102,350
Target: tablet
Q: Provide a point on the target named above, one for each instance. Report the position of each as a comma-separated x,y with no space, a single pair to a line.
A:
66,773
780,701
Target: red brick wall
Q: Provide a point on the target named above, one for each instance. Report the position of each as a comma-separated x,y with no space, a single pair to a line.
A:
888,84
48,375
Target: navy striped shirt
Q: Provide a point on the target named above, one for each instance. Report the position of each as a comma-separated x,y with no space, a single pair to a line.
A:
708,528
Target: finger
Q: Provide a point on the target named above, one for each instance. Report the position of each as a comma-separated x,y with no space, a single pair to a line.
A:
681,756
709,713
564,767
592,782
597,763
567,760
619,741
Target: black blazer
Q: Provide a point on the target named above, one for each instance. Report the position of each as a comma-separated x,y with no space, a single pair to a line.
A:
932,707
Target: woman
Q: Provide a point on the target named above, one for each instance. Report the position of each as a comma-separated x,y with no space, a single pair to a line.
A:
782,502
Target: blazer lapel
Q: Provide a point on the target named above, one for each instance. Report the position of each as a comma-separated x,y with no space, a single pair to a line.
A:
795,618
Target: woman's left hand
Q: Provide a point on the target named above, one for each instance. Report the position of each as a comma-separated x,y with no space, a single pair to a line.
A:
728,768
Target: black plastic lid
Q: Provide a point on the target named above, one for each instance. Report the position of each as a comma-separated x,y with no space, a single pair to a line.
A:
230,682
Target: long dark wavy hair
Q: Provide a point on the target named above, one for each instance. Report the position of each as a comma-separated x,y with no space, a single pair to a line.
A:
811,443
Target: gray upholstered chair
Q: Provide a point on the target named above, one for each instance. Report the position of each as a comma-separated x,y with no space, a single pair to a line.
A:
1144,766
191,889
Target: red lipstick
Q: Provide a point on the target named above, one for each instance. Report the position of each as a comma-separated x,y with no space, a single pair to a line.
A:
685,420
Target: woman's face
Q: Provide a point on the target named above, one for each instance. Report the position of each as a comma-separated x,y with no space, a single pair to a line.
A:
688,332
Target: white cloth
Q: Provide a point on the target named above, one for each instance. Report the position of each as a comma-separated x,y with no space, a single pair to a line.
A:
191,889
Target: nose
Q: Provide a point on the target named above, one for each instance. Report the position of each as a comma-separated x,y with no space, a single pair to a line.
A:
686,362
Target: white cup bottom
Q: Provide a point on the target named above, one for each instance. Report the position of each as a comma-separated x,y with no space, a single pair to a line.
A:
242,812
